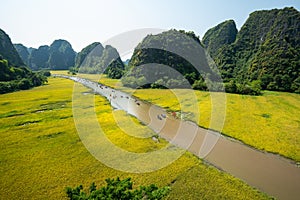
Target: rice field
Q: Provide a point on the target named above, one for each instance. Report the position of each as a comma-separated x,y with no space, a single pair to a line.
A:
41,152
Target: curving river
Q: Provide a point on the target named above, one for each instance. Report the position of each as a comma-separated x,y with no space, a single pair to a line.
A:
272,174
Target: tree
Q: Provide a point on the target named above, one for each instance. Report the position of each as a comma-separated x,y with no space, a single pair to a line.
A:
19,78
231,87
117,189
199,85
191,77
296,85
24,84
256,87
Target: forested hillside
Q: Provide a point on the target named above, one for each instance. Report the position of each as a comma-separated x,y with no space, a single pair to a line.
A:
8,51
266,50
61,55
96,59
219,36
81,56
23,53
264,54
157,60
14,75
38,58
58,56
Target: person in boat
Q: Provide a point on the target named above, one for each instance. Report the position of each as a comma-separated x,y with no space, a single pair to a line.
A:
174,114
158,117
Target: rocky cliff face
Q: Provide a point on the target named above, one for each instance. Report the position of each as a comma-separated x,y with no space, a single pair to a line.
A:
219,36
81,56
23,52
96,59
38,58
8,51
267,49
61,55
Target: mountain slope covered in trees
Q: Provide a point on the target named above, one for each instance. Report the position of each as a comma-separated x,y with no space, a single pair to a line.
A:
38,59
58,56
266,51
14,75
61,55
219,36
8,51
172,59
96,59
81,56
264,54
23,52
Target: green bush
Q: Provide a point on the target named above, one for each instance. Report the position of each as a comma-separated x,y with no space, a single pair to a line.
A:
253,88
230,87
24,84
19,78
117,189
199,85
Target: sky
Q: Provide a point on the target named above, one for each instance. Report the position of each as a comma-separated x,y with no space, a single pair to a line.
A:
82,22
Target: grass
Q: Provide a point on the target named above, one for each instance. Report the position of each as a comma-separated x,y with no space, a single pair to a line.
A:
195,189
41,152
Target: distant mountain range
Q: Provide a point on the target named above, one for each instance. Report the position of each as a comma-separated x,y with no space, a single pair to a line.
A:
263,54
59,55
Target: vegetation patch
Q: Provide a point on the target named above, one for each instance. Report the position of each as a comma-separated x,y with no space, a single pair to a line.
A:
12,113
65,117
39,110
266,115
187,185
54,105
5,103
49,136
118,189
28,122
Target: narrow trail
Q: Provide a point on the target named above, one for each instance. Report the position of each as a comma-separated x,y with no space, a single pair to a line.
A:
272,174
